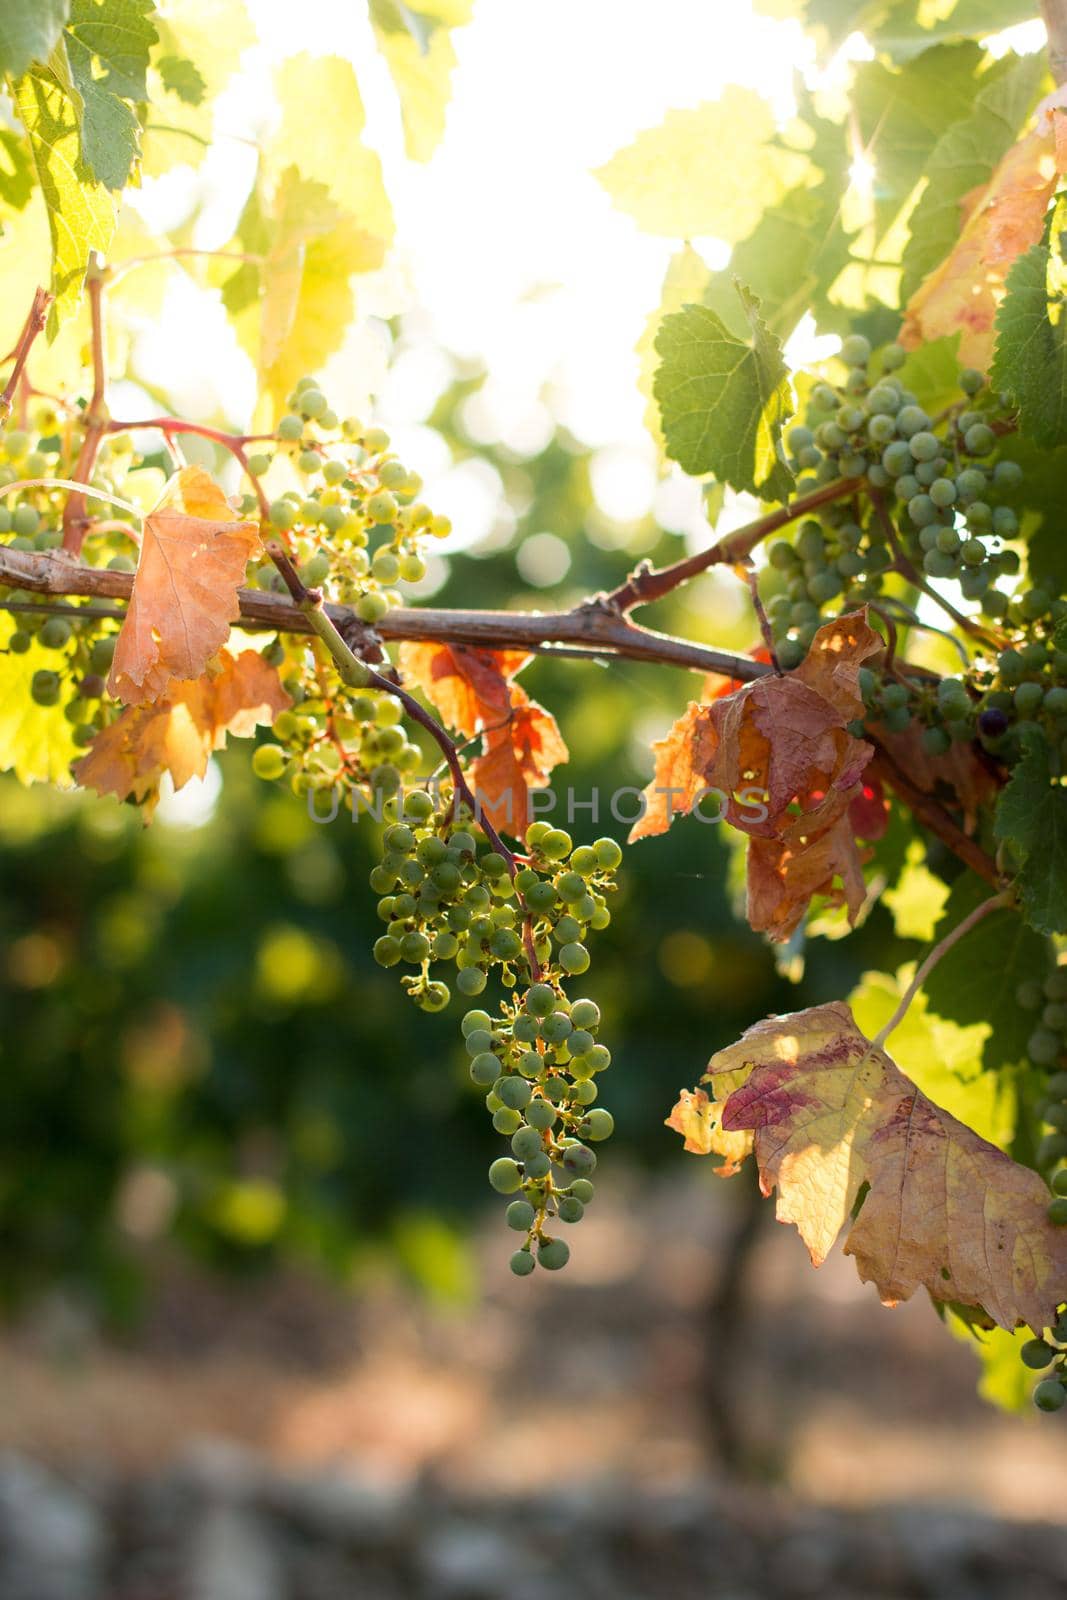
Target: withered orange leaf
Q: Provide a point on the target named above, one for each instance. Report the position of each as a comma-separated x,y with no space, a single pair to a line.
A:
831,1118
177,734
998,222
963,777
780,754
193,557
467,685
518,757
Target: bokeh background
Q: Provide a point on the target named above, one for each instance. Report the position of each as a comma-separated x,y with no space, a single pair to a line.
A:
259,1336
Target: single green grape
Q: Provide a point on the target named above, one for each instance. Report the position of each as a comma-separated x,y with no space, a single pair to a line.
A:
570,1209
553,1254
504,1175
520,1215
1036,1354
522,1263
1049,1395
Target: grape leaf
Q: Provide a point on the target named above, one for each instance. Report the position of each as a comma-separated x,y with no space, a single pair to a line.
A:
977,979
108,45
678,179
182,77
1030,361
468,686
964,159
779,755
16,171
902,112
36,742
839,1129
177,733
723,401
518,757
686,279
1000,223
416,41
29,31
1032,818
194,551
81,214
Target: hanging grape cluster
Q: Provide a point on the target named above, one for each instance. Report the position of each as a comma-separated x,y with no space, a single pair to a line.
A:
445,900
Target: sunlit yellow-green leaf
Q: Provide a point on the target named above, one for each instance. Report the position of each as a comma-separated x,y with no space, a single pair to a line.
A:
212,38
417,44
686,279
943,1059
917,899
712,170
321,135
81,214
36,742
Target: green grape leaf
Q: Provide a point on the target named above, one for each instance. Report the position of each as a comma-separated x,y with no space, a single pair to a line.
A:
199,49
902,112
976,980
182,77
724,401
36,742
29,31
932,373
81,214
1030,360
710,170
416,41
685,283
108,46
1032,818
16,171
964,158
900,28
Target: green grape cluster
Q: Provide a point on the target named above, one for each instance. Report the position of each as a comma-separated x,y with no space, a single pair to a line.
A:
447,900
941,499
321,746
1049,1356
1047,1050
539,1061
354,519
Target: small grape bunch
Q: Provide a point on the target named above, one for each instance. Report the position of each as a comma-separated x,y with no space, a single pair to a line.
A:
353,519
1049,1356
539,1062
359,747
1025,695
1047,1050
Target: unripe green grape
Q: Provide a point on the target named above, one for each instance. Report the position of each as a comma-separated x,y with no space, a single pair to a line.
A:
586,1014
570,1209
385,565
485,1068
19,642
898,719
855,350
881,429
522,1263
896,458
781,556
1028,698
471,980
908,485
1036,1354
269,761
418,805
316,569
924,446
1007,475
921,510
527,1142
540,1114
520,1216
1043,1047
282,514
943,491
371,607
1056,1115
579,1161
538,1166
1049,1395
525,1029
599,1124
44,688
412,568
935,741
55,633
514,1092
1059,1182
553,1254
1057,1085
574,958
505,1120
911,419
435,997
476,1022
1057,1212
479,1041
504,1175
979,439
382,506
386,950
540,1000
25,520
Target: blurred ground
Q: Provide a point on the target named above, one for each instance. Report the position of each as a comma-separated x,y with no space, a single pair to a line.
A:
604,1384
